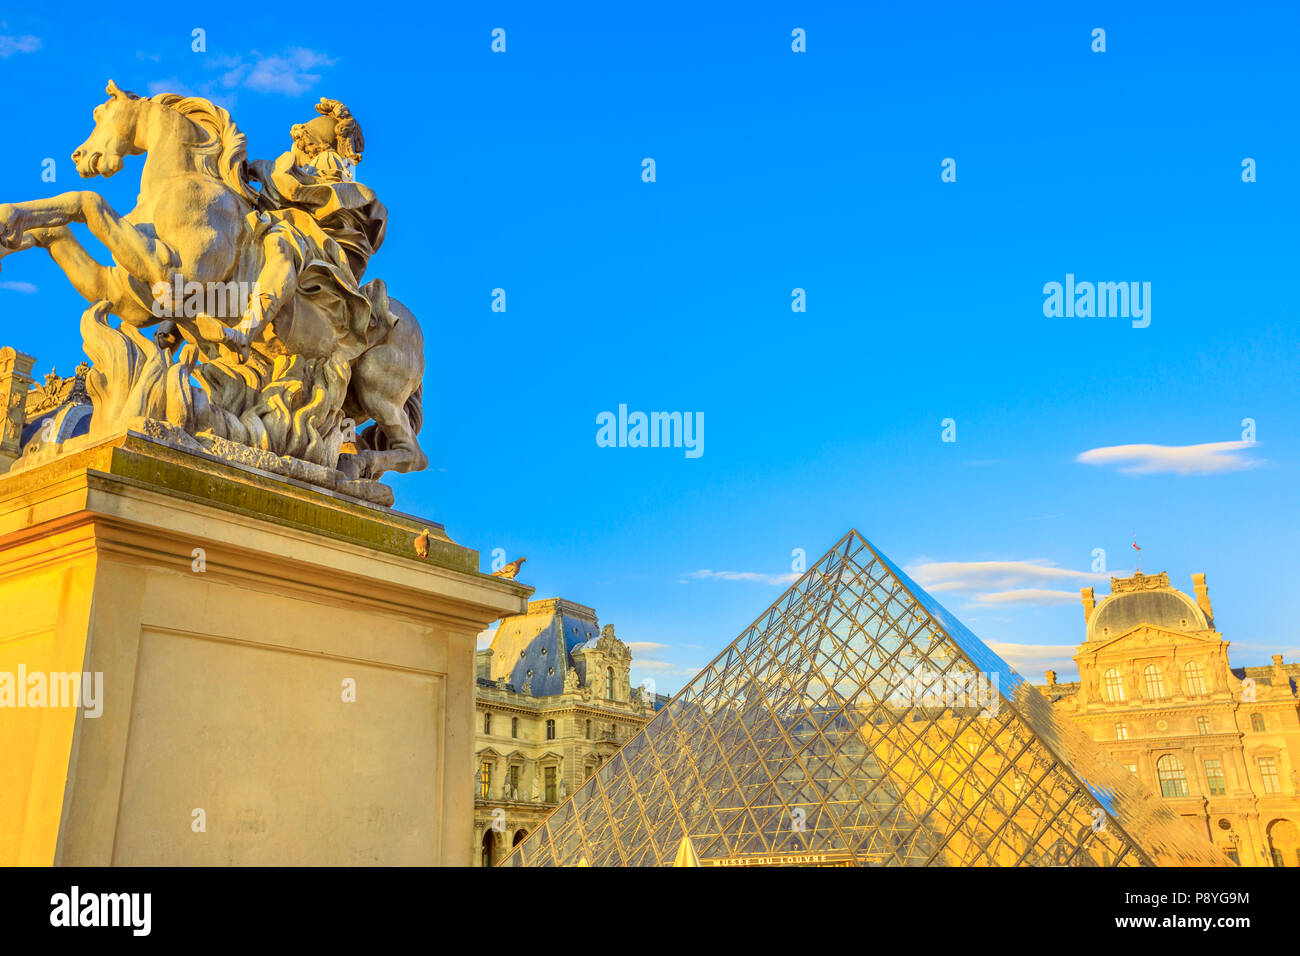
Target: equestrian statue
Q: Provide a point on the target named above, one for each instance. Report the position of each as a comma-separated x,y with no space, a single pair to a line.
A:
267,346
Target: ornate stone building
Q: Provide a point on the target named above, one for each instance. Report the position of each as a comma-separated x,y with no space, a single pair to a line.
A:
1220,744
554,701
38,412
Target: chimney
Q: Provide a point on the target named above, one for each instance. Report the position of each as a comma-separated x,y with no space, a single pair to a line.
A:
1203,596
1051,678
1089,602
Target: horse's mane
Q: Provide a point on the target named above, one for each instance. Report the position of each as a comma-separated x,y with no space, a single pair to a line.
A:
223,152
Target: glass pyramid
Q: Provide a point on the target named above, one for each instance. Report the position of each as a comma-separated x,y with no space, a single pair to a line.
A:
858,723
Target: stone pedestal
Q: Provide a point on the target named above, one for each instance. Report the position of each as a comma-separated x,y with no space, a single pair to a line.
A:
282,678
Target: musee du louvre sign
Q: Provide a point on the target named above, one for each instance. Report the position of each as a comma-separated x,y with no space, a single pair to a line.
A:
857,722
785,859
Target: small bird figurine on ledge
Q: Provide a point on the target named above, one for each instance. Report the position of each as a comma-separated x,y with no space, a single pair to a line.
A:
422,543
510,570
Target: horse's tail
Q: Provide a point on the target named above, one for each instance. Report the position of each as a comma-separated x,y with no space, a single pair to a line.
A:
414,408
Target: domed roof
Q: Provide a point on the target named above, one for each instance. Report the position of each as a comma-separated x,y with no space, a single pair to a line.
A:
1133,601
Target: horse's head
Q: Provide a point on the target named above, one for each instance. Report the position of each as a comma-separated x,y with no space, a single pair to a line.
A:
113,137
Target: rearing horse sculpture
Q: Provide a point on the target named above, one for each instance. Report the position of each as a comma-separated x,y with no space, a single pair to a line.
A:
199,218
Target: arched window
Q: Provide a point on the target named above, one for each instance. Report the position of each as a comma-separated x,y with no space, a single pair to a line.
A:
489,844
1114,685
609,683
519,837
1257,723
487,723
1202,725
1284,840
1194,673
1172,776
1155,681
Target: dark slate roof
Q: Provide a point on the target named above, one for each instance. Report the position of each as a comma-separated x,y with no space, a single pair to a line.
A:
542,641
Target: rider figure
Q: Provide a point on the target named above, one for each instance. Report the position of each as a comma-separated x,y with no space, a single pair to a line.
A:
312,214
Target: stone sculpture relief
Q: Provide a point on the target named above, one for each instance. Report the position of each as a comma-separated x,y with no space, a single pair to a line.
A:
268,349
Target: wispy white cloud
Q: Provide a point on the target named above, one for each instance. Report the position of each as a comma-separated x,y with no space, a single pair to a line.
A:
26,288
9,45
1037,596
171,84
663,671
291,73
1004,576
1207,459
753,576
1032,659
638,647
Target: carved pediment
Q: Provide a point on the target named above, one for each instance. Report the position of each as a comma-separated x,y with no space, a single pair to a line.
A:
1150,636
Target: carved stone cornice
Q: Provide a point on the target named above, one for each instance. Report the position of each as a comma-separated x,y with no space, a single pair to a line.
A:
1140,582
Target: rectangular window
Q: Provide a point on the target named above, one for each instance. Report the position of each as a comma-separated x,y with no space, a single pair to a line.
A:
550,730
586,773
485,779
1133,769
1202,725
1214,776
514,726
550,785
1268,772
1121,731
514,779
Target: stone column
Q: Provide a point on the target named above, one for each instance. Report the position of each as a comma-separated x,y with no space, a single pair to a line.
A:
15,383
1256,829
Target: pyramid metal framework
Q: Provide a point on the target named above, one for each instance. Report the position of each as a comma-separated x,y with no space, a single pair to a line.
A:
857,722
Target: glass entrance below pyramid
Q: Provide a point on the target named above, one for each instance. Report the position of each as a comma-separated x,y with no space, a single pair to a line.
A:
858,723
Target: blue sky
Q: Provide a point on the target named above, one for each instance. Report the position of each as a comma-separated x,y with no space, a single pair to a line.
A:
778,170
